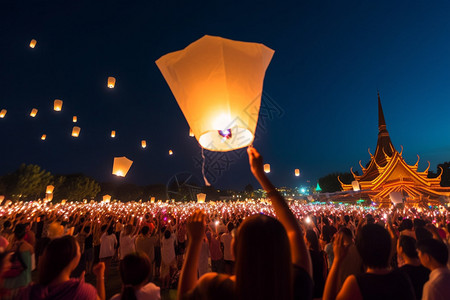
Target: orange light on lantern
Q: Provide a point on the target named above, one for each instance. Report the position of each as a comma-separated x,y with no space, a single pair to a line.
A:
218,84
49,189
106,198
297,172
76,131
74,119
121,166
111,82
113,133
43,137
152,200
144,144
191,133
33,112
201,197
267,168
57,105
170,152
3,113
33,43
355,186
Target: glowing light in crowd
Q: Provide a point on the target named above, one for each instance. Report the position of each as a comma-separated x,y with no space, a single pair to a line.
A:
33,43
57,105
111,82
33,112
218,83
121,166
267,168
76,131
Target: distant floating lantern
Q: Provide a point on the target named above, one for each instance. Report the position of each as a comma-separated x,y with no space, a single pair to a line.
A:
63,201
191,133
355,186
76,131
113,133
43,137
2,197
121,166
201,197
111,82
152,200
49,197
33,112
297,172
33,43
57,105
170,152
49,189
218,84
267,168
396,197
143,144
3,113
74,119
106,198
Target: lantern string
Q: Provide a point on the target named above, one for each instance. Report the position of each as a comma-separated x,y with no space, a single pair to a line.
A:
203,169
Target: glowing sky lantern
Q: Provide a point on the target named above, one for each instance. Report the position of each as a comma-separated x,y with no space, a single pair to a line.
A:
57,105
218,84
201,197
33,43
43,137
111,82
106,198
121,166
297,172
49,197
267,168
152,200
170,152
3,113
355,185
49,189
76,131
33,112
74,119
113,133
396,197
143,144
191,133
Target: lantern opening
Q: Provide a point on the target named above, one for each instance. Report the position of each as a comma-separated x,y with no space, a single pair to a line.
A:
225,133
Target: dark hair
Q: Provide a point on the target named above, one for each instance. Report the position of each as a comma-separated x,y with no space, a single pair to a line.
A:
374,246
408,245
406,224
110,230
145,230
20,231
57,256
326,236
87,229
312,239
230,226
346,218
135,269
419,223
167,234
347,232
7,224
435,249
423,234
263,259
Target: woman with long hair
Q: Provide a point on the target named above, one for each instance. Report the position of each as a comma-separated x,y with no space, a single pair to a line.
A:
272,261
60,258
135,272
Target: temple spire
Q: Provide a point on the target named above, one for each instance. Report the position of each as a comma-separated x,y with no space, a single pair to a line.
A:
381,121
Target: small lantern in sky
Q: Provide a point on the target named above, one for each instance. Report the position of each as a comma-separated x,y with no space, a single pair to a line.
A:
170,152
218,84
49,189
76,131
143,144
152,200
33,43
74,119
113,133
3,113
121,166
297,172
57,105
355,186
201,197
43,137
111,82
63,201
267,168
49,197
106,198
191,133
33,112
396,197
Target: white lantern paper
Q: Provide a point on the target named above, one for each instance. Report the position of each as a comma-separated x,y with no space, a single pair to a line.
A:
121,166
49,189
355,185
396,197
201,197
218,84
267,168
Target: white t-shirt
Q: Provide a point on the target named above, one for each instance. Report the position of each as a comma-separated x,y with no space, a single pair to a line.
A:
107,243
168,249
226,239
127,245
147,292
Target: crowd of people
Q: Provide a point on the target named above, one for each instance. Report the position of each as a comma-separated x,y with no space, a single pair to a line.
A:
269,249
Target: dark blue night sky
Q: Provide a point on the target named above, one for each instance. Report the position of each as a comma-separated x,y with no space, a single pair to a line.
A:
321,86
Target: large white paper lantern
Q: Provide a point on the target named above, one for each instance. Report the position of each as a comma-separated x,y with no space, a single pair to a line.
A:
121,166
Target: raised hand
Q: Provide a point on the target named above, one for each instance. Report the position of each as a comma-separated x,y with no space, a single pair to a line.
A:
256,161
340,250
196,226
99,269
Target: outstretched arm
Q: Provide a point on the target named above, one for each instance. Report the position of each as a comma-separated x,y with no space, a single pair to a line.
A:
299,252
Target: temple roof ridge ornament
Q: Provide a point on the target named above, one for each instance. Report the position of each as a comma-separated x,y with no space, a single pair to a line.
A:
362,168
